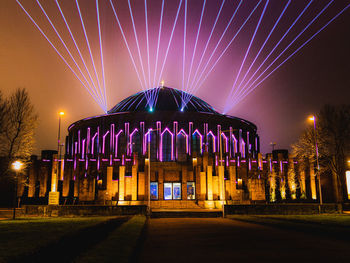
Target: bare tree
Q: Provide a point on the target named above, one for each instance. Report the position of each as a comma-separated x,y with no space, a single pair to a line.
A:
19,123
333,134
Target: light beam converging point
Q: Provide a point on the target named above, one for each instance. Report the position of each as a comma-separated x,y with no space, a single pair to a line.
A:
204,47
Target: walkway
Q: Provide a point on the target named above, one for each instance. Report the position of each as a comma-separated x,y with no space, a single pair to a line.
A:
218,240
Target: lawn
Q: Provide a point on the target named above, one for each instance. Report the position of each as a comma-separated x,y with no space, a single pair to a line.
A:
334,220
119,245
23,236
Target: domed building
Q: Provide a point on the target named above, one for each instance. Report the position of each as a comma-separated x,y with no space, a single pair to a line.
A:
190,151
167,149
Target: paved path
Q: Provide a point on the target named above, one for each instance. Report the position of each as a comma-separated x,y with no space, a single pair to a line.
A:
218,240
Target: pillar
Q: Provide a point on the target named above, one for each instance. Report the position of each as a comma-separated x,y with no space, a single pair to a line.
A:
109,177
313,181
134,183
121,183
210,183
221,170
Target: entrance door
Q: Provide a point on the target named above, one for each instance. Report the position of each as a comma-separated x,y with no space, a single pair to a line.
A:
168,191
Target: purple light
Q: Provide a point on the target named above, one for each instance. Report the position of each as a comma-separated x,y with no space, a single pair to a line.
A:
171,37
214,140
137,43
104,141
65,46
161,144
261,48
306,42
195,45
159,33
249,46
147,42
101,53
207,43
60,55
186,136
197,86
89,48
127,45
116,143
200,139
184,48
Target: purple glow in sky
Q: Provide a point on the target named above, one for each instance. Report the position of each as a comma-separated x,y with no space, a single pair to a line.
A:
220,50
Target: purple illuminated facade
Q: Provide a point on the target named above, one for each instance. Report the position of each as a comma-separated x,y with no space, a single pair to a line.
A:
198,158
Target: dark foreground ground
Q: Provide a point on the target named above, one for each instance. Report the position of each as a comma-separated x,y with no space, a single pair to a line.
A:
229,240
245,238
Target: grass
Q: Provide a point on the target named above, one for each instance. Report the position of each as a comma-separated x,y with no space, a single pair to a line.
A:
23,236
334,220
119,245
334,226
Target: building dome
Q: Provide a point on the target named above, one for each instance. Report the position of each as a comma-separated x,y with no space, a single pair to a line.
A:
162,99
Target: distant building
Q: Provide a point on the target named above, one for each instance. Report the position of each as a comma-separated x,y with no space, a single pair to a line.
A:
198,157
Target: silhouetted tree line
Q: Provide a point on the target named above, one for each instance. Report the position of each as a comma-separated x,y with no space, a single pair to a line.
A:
333,138
18,121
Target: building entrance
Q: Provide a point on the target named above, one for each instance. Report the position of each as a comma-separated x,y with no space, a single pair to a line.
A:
172,191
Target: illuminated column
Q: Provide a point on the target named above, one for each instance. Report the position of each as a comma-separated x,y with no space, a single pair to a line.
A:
54,175
302,181
291,179
134,183
203,185
312,181
121,183
141,186
221,170
210,182
109,177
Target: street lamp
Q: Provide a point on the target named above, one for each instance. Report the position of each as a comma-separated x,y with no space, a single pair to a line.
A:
313,118
60,114
17,165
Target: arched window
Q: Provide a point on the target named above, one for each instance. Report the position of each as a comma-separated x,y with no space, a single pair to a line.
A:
134,142
150,137
234,145
211,141
166,146
197,141
181,146
117,141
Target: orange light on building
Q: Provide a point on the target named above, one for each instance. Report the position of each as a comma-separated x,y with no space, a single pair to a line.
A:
348,182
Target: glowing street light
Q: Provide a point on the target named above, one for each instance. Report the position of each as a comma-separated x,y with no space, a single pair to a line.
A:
60,115
313,118
16,166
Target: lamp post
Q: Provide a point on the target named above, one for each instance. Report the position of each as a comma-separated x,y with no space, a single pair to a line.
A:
60,114
313,118
17,165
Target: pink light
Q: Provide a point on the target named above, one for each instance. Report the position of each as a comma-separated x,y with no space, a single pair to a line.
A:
281,166
123,160
186,136
270,164
130,139
104,141
242,148
214,140
234,143
86,164
200,139
226,141
116,143
93,143
161,144
83,151
216,160
148,134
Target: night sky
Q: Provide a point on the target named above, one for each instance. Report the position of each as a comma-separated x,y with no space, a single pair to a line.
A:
318,74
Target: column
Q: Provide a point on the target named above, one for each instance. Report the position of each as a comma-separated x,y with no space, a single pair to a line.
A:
134,183
121,183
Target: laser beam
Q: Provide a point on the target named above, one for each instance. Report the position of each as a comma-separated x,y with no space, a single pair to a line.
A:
292,54
88,44
261,48
126,44
249,46
67,49
308,25
60,55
